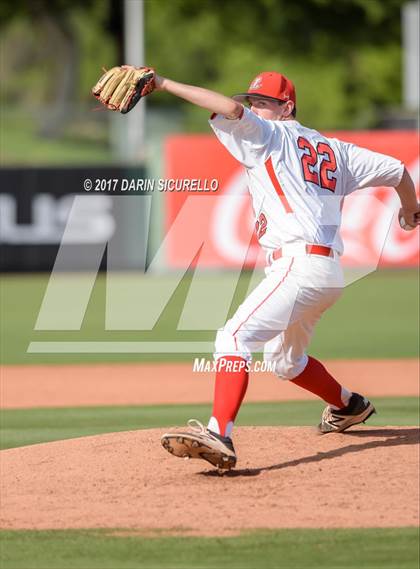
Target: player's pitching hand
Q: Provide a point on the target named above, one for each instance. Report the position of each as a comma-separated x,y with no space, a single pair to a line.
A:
409,219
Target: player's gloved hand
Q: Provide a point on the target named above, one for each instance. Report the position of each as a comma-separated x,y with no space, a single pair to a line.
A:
121,88
409,218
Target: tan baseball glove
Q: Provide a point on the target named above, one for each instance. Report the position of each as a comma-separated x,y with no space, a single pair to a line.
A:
121,88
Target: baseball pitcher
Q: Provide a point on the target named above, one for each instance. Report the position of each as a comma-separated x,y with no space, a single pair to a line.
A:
297,180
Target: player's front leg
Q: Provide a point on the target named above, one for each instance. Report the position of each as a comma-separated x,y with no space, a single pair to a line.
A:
214,443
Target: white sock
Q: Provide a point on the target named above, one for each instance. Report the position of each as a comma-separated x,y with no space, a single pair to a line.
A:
213,425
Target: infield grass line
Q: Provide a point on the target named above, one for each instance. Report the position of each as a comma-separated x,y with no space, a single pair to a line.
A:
19,427
390,548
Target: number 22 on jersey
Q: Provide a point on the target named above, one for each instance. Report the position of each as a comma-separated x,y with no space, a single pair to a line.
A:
309,160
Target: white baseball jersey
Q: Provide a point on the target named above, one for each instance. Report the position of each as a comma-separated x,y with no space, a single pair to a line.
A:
298,178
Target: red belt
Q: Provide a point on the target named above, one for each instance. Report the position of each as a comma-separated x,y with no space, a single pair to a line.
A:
310,250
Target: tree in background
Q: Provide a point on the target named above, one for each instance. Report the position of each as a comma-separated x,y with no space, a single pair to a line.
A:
343,55
46,45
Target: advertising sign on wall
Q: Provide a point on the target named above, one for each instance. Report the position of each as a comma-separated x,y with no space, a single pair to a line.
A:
83,212
214,217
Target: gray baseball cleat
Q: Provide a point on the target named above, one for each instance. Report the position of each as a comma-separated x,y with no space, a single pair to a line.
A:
202,443
357,411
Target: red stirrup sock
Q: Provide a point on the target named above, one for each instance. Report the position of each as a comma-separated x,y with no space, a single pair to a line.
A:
229,390
316,379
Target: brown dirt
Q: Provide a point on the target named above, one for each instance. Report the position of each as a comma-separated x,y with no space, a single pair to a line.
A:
148,384
286,477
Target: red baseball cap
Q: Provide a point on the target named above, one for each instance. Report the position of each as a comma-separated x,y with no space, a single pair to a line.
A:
269,85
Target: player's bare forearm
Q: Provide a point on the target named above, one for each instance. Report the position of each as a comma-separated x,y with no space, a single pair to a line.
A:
210,100
409,205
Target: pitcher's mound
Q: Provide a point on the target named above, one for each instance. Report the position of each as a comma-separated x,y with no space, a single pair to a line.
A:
285,477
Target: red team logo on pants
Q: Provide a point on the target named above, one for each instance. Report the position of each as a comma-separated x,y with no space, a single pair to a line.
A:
261,225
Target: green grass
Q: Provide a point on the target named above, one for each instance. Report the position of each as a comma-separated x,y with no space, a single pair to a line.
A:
375,318
23,145
395,548
29,426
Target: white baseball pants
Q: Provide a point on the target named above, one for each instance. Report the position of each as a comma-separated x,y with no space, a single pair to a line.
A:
281,312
